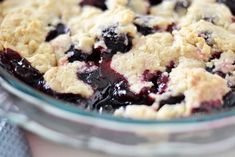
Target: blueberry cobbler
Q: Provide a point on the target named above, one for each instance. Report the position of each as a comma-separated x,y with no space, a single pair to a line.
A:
142,59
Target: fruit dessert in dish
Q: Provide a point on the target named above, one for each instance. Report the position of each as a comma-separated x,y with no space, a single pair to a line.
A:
144,59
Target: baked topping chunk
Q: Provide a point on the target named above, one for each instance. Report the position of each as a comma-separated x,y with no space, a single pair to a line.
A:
143,59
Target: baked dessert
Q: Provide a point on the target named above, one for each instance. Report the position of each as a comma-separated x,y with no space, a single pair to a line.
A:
144,59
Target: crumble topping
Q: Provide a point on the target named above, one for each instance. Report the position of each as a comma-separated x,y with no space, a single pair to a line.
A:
214,13
151,53
197,85
64,79
141,59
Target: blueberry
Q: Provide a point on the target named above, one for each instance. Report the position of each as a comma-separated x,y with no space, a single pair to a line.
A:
116,42
210,69
144,30
155,2
96,3
59,30
229,3
229,99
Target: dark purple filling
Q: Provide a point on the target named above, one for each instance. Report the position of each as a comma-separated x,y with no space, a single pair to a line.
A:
115,41
155,2
172,100
159,80
58,30
95,3
144,30
229,99
22,69
229,3
78,55
111,89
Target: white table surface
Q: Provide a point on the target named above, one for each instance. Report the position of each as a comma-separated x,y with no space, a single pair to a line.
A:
43,148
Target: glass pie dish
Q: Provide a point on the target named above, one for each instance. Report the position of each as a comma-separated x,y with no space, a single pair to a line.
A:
208,135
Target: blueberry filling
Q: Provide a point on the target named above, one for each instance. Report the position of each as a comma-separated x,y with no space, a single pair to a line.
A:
229,99
159,80
116,42
210,69
144,30
208,37
229,3
22,69
96,3
111,89
59,30
155,2
172,100
77,55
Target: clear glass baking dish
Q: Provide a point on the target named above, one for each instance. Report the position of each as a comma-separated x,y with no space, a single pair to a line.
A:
209,135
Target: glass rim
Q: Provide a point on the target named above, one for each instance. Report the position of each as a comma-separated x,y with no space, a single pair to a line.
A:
52,102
